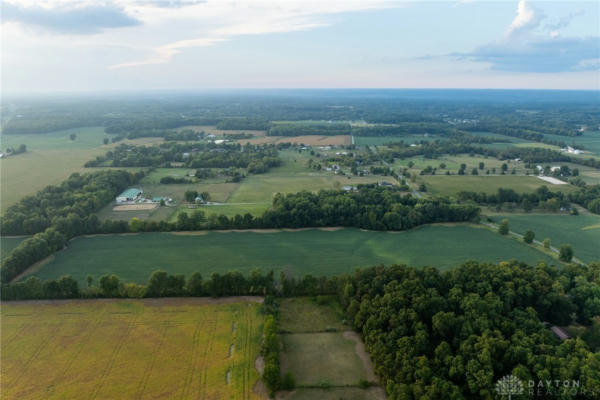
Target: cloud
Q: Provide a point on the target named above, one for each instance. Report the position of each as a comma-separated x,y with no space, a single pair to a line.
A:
523,49
545,55
562,22
68,17
229,20
164,53
526,20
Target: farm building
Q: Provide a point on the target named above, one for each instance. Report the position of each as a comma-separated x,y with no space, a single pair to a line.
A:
560,333
131,194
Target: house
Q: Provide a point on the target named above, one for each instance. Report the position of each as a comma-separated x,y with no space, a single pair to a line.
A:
185,155
349,188
562,335
385,184
573,150
220,141
131,194
211,136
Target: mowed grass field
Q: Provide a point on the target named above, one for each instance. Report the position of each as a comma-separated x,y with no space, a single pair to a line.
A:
300,252
135,349
581,231
451,185
320,350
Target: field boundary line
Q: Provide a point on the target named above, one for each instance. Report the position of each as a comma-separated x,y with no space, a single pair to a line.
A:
112,358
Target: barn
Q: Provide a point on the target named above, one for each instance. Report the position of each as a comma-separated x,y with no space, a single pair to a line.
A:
131,194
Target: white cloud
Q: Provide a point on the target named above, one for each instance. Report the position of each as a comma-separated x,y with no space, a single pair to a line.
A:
225,20
527,19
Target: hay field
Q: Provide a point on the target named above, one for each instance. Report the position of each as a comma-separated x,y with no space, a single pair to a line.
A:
130,349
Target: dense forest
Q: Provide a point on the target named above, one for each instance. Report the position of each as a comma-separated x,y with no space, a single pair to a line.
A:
454,334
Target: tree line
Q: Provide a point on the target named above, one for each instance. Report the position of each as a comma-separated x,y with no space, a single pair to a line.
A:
193,155
56,214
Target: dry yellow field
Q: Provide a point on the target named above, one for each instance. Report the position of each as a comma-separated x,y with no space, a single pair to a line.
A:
189,348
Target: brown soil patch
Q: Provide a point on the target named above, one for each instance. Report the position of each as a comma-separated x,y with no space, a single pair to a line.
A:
359,348
135,207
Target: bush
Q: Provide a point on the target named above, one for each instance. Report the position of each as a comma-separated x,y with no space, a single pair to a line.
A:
565,252
547,242
503,228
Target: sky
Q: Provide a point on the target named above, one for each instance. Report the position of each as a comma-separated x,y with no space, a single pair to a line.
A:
97,45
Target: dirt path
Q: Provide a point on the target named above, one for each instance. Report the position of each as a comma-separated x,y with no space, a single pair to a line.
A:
359,348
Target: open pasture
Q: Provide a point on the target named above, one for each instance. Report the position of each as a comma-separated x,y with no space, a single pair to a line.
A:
299,252
580,231
134,349
451,185
309,140
452,164
212,130
321,351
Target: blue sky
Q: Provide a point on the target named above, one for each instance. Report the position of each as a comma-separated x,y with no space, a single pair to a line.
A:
66,45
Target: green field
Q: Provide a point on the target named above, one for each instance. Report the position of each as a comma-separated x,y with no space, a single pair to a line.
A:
50,159
381,140
7,244
317,252
451,185
319,350
136,349
581,231
303,314
453,163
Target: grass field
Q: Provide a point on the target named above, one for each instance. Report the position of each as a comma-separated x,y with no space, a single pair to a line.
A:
7,244
302,315
582,231
50,159
450,185
381,140
321,358
317,252
145,349
321,351
453,164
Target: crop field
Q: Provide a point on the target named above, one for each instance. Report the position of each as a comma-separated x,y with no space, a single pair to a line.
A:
450,185
188,348
321,351
581,231
50,159
309,140
590,140
208,129
381,140
299,252
7,244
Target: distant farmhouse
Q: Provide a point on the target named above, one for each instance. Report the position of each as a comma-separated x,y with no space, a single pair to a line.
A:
131,194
